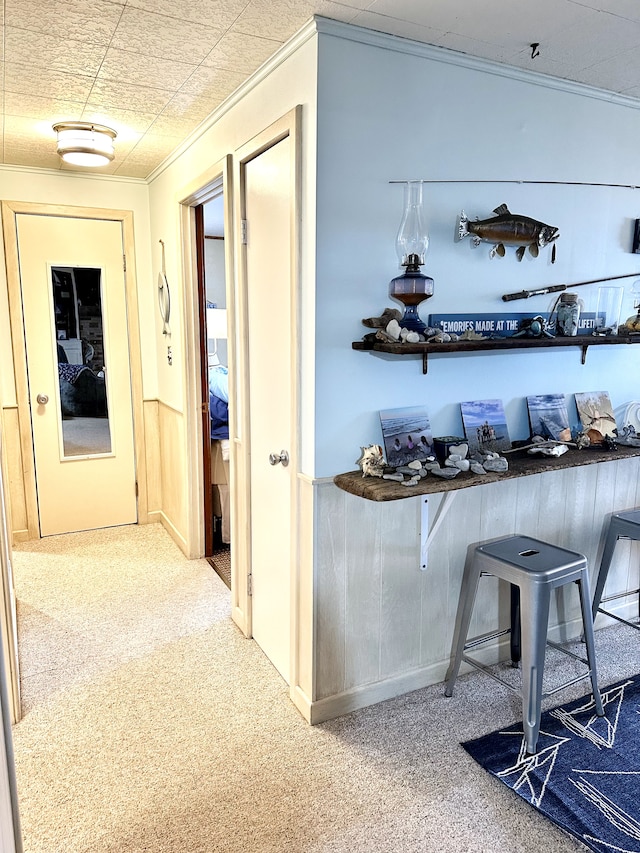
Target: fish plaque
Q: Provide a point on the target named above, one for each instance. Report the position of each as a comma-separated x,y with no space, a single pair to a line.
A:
509,229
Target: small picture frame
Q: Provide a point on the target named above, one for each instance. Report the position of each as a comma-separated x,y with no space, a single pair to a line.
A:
636,238
548,416
596,415
406,434
485,426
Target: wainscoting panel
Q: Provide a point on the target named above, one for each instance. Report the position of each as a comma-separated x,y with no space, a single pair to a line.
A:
152,453
172,474
383,626
15,486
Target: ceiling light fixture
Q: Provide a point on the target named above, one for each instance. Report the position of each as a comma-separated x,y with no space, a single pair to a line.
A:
82,143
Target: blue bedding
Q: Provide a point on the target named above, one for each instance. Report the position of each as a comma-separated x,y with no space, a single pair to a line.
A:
219,413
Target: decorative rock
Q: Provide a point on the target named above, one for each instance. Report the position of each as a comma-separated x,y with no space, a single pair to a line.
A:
398,477
470,335
440,337
499,465
393,330
415,464
412,482
446,473
404,469
431,466
381,335
476,467
462,464
460,450
412,338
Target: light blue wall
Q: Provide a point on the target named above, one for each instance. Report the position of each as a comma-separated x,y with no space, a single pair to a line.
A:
386,115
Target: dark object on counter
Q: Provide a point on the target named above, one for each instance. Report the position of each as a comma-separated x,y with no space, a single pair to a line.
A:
442,444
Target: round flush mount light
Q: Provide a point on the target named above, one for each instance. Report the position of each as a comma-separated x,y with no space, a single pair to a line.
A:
82,143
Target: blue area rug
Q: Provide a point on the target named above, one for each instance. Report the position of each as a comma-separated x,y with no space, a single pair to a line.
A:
585,776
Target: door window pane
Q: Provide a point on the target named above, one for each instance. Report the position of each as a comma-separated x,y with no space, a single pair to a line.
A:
77,302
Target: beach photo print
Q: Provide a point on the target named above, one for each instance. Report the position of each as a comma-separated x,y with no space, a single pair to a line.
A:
406,434
485,426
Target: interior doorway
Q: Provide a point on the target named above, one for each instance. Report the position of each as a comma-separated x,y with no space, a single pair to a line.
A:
211,266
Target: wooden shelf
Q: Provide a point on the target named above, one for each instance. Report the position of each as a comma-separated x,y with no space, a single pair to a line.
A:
493,344
521,464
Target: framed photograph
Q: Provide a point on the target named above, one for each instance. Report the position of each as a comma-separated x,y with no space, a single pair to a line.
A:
406,434
548,416
485,426
596,415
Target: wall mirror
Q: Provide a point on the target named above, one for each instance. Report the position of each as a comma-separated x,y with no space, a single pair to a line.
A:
80,354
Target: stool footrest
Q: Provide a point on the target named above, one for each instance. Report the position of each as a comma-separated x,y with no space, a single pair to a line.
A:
484,668
567,652
571,681
619,618
484,638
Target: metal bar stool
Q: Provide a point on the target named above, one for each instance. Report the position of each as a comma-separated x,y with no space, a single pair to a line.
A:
535,568
622,525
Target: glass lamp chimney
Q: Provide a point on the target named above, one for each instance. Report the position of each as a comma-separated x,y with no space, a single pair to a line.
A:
412,287
412,240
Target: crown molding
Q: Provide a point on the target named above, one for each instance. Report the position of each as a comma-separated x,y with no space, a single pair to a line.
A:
70,173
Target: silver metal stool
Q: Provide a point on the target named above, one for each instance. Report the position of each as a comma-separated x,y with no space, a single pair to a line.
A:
536,568
622,525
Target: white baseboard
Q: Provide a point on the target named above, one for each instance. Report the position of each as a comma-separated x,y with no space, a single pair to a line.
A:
370,694
177,537
302,703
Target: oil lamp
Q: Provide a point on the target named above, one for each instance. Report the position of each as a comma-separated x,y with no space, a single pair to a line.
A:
412,287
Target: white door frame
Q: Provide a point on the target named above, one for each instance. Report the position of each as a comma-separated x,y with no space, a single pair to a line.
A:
229,172
208,185
288,125
10,210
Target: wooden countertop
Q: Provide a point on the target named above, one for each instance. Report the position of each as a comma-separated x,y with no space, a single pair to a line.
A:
521,464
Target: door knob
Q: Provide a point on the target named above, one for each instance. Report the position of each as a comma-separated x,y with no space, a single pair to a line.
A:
42,399
283,457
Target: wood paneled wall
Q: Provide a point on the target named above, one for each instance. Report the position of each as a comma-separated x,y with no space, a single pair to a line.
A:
15,490
384,627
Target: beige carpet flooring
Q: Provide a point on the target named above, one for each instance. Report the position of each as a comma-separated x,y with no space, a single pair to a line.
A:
152,725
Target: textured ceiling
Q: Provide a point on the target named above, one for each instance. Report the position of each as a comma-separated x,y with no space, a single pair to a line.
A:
154,69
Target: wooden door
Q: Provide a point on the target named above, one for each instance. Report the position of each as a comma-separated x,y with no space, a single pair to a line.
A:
79,382
268,187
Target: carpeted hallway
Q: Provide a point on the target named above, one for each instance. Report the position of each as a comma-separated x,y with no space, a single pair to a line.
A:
152,725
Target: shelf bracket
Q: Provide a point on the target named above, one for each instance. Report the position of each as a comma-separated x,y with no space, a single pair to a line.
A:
585,347
425,363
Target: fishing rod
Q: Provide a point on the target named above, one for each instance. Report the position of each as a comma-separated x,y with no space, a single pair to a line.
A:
555,288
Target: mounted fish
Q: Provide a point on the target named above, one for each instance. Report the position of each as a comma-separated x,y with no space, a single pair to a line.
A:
509,229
